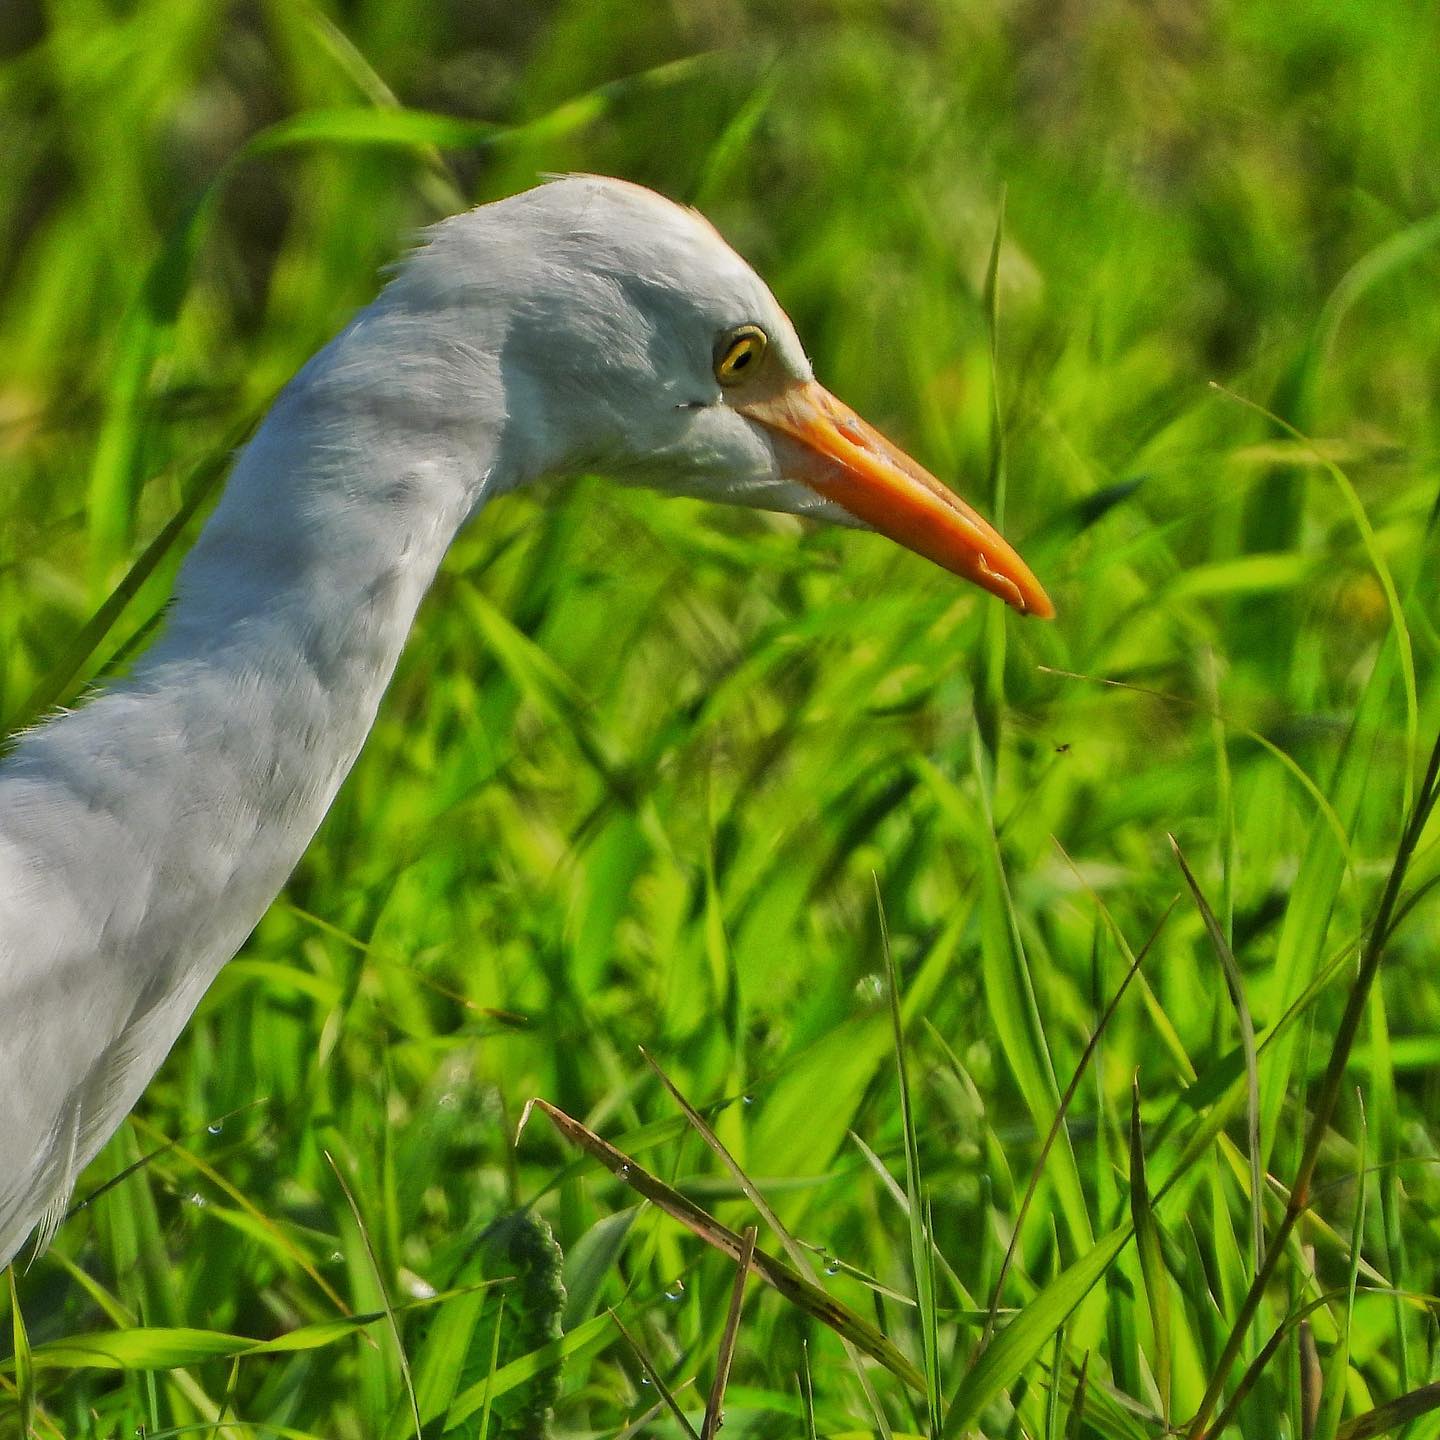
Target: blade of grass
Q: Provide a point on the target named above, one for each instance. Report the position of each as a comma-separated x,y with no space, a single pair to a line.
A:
1015,1012
1235,984
173,1348
59,681
390,1316
22,1365
1076,1419
1328,1096
920,1240
1392,1415
490,1373
802,1293
715,1406
1152,1262
807,1391
655,1377
1399,628
792,1247
583,1340
1338,1371
1037,1170
1026,1335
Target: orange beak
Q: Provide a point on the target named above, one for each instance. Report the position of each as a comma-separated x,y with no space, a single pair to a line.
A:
824,444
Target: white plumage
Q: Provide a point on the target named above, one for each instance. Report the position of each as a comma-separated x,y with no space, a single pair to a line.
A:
587,324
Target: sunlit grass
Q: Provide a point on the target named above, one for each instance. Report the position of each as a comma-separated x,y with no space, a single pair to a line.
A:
645,763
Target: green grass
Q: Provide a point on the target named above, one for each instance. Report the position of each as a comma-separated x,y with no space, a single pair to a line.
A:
645,763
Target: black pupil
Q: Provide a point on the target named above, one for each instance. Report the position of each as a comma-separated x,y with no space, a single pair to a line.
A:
741,358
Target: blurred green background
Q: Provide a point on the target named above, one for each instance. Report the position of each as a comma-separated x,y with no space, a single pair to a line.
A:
645,763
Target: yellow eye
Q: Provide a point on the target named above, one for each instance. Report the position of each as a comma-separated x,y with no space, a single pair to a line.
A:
738,354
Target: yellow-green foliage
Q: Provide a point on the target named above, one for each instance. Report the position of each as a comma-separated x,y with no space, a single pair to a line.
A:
644,762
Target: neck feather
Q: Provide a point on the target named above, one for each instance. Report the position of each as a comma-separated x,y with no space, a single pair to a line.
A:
142,837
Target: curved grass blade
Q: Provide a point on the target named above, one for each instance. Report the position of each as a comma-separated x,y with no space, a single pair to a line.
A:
715,1406
393,1323
584,1340
921,1243
1027,1335
655,1378
23,1365
174,1347
1392,1415
802,1293
1338,1369
1152,1260
1234,982
1070,1091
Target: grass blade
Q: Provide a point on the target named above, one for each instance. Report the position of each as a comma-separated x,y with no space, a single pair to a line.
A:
390,1316
1392,1415
715,1406
922,1267
1152,1260
1028,1333
23,1367
655,1378
1235,984
1338,1370
803,1293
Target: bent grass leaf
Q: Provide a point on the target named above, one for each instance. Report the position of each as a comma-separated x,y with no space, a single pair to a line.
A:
1030,1331
1152,1260
655,1377
1392,1415
921,1262
173,1347
715,1406
1337,1372
23,1365
1015,1014
803,1293
589,1337
1235,984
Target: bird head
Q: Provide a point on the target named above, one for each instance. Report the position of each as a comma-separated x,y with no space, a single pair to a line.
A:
637,343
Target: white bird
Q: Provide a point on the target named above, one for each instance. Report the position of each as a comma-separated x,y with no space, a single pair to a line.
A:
588,324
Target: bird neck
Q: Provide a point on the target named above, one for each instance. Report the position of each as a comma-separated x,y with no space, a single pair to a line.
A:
143,835
293,608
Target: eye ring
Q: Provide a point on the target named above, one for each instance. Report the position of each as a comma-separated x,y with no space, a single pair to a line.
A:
738,353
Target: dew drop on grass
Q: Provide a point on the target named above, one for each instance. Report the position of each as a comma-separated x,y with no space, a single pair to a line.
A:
215,1127
196,1199
623,1172
870,989
675,1290
747,1099
832,1265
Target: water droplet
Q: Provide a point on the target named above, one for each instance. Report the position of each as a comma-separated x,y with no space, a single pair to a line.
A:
747,1099
644,1379
215,1126
870,989
337,1257
623,1172
832,1265
196,1199
449,1100
675,1290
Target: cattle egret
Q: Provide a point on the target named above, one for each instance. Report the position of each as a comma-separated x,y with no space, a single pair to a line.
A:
588,324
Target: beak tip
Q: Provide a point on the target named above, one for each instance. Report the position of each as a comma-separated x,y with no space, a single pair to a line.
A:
1038,606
